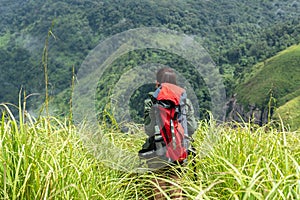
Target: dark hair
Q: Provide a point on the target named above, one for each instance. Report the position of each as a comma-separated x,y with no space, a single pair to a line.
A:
166,75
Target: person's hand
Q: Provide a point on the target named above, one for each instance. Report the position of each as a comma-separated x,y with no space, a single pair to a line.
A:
148,104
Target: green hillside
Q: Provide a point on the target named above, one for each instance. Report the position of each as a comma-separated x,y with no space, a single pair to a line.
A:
290,114
277,77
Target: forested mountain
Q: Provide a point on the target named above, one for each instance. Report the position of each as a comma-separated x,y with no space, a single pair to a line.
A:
237,34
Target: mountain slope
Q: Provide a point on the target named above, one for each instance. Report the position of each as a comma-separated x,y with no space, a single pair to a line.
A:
276,77
272,87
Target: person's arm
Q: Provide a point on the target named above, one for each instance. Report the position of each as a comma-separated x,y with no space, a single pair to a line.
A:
149,118
149,145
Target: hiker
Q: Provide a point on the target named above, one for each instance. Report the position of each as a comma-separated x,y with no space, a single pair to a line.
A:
165,78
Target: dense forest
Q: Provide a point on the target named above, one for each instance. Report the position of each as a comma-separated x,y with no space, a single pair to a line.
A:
237,35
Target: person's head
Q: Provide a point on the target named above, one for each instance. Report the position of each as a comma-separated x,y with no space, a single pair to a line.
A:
165,75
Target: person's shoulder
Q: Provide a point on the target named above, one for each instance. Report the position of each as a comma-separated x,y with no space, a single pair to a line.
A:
150,94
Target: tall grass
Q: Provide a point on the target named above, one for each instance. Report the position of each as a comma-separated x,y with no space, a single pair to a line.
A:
252,163
240,162
38,165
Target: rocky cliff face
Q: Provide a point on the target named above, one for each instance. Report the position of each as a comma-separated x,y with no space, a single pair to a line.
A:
239,113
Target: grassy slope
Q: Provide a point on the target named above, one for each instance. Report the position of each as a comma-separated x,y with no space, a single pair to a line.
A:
289,113
279,75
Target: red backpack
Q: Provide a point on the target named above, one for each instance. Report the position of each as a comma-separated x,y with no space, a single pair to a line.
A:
171,136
